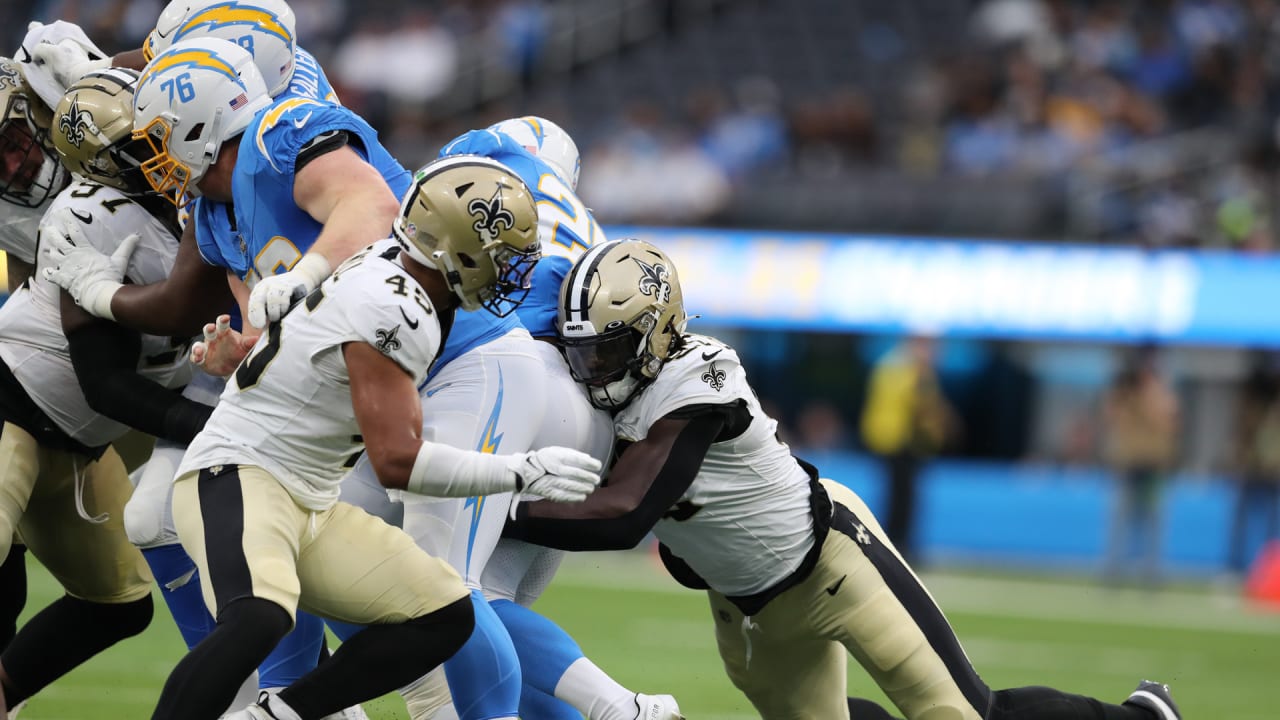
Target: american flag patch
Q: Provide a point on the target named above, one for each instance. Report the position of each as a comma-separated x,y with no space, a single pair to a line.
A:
238,101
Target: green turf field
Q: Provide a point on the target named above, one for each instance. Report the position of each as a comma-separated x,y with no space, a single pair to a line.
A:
1220,657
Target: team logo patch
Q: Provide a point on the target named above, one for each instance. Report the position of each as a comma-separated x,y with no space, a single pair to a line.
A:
714,377
491,217
74,123
387,341
9,77
653,280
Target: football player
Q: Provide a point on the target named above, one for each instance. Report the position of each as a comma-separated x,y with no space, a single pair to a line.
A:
92,131
337,376
310,181
797,570
552,664
75,383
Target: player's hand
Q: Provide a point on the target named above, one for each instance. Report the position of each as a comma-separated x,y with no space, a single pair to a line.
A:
222,348
66,61
88,275
274,295
556,473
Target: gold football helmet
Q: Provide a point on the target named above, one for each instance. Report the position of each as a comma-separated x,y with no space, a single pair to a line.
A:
621,317
475,221
30,172
93,130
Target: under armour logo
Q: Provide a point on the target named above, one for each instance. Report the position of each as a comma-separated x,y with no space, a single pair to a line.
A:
387,340
491,217
861,535
714,377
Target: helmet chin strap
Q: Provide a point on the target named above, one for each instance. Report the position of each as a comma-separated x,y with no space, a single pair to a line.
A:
211,147
453,279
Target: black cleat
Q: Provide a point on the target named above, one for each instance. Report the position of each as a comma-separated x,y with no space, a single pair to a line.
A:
1155,697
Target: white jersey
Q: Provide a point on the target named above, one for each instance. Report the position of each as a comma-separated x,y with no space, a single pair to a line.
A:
288,408
31,340
18,226
745,523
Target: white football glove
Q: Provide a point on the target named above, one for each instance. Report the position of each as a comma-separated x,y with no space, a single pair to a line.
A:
66,62
272,296
558,474
90,276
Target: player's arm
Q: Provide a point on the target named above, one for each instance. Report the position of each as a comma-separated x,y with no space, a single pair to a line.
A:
339,189
105,357
389,413
355,206
194,292
648,478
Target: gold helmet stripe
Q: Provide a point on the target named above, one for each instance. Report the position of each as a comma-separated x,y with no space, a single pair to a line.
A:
234,13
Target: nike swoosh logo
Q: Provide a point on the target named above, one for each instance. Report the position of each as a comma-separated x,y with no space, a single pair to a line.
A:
437,389
836,588
82,217
299,123
708,356
413,324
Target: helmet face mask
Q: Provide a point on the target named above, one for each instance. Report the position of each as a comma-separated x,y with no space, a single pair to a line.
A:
30,172
266,28
190,100
621,318
547,141
475,222
93,131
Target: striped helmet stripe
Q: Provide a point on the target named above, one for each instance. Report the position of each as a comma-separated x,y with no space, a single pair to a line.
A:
576,299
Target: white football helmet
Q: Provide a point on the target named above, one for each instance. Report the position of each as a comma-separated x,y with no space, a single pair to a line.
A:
548,141
30,172
266,28
191,99
621,318
473,220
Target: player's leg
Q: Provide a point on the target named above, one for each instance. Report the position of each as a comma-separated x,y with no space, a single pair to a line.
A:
73,525
890,623
779,664
148,520
243,531
18,469
490,399
357,569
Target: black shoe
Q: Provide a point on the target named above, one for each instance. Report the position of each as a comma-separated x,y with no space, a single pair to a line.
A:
1155,697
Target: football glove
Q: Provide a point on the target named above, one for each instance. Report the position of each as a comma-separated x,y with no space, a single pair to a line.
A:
558,474
273,295
89,276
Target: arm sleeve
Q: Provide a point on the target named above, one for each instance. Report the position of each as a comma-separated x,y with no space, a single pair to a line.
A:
105,357
648,479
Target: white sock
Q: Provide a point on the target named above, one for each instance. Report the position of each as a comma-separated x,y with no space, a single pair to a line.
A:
593,693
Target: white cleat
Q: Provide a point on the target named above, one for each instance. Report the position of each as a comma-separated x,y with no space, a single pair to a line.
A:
657,707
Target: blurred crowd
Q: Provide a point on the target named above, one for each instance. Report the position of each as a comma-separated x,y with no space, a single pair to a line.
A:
1096,99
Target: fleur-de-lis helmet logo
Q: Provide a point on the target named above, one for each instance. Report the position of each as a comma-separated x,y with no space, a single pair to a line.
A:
74,122
491,217
653,280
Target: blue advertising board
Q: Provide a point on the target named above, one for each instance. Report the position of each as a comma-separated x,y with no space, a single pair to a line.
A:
827,282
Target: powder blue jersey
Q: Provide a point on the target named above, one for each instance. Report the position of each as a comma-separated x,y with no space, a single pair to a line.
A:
263,231
566,228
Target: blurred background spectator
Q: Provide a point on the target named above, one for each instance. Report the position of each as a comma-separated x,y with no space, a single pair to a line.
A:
906,420
1256,516
1140,426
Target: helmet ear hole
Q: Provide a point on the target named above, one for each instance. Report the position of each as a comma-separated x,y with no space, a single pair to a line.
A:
194,133
468,261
